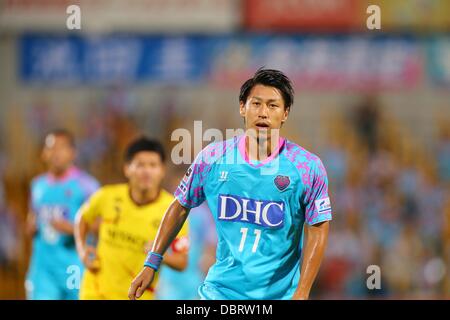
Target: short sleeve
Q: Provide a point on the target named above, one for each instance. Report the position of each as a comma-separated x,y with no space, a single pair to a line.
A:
32,203
190,192
317,200
89,185
90,210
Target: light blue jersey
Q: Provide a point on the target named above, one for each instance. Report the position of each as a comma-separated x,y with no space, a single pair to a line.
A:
260,209
54,257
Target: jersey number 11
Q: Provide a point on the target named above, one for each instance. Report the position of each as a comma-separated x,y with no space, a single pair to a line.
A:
244,232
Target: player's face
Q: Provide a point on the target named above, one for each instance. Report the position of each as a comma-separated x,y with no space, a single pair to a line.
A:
145,171
58,153
264,110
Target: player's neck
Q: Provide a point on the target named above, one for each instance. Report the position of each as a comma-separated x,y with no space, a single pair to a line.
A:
143,197
259,149
59,174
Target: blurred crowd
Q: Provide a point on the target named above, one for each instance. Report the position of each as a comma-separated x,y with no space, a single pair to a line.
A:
391,202
390,194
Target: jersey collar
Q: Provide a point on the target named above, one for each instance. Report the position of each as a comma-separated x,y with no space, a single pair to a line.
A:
70,173
257,164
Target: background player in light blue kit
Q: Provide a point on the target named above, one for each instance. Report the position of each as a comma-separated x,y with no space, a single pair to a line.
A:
56,196
269,199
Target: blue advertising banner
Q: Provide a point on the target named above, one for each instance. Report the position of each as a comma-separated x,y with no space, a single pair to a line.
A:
109,59
325,62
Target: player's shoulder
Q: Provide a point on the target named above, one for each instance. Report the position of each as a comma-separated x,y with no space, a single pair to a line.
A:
216,150
300,157
39,180
84,175
87,180
112,190
83,181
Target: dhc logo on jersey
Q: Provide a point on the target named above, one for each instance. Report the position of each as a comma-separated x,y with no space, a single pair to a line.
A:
49,212
264,213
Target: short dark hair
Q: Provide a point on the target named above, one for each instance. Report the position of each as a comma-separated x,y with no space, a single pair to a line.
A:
61,132
271,78
144,144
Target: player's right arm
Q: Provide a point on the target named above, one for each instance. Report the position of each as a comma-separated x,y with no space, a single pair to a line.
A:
169,228
31,224
84,222
318,213
87,253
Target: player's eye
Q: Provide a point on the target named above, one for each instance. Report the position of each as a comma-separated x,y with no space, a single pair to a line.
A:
272,105
256,103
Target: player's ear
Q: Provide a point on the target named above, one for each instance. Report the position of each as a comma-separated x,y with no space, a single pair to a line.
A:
242,108
163,169
285,115
126,170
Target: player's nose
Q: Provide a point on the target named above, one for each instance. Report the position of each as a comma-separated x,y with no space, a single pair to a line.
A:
263,111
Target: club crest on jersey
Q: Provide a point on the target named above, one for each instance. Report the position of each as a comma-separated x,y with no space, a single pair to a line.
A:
265,213
282,182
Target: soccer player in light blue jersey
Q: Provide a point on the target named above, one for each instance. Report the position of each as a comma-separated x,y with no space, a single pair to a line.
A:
56,196
269,199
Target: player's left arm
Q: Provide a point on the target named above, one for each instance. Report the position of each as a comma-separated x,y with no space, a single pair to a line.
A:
62,225
316,237
67,226
177,257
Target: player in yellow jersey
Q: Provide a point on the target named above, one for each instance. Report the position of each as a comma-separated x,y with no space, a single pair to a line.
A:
129,216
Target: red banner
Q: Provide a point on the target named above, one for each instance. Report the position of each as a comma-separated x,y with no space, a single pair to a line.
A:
304,15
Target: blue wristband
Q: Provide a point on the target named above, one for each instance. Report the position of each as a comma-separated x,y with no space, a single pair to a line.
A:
153,260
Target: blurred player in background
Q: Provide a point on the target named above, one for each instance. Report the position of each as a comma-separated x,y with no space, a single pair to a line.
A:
56,196
266,194
202,254
129,216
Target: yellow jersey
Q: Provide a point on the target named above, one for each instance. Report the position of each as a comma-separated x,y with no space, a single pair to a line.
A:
125,232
